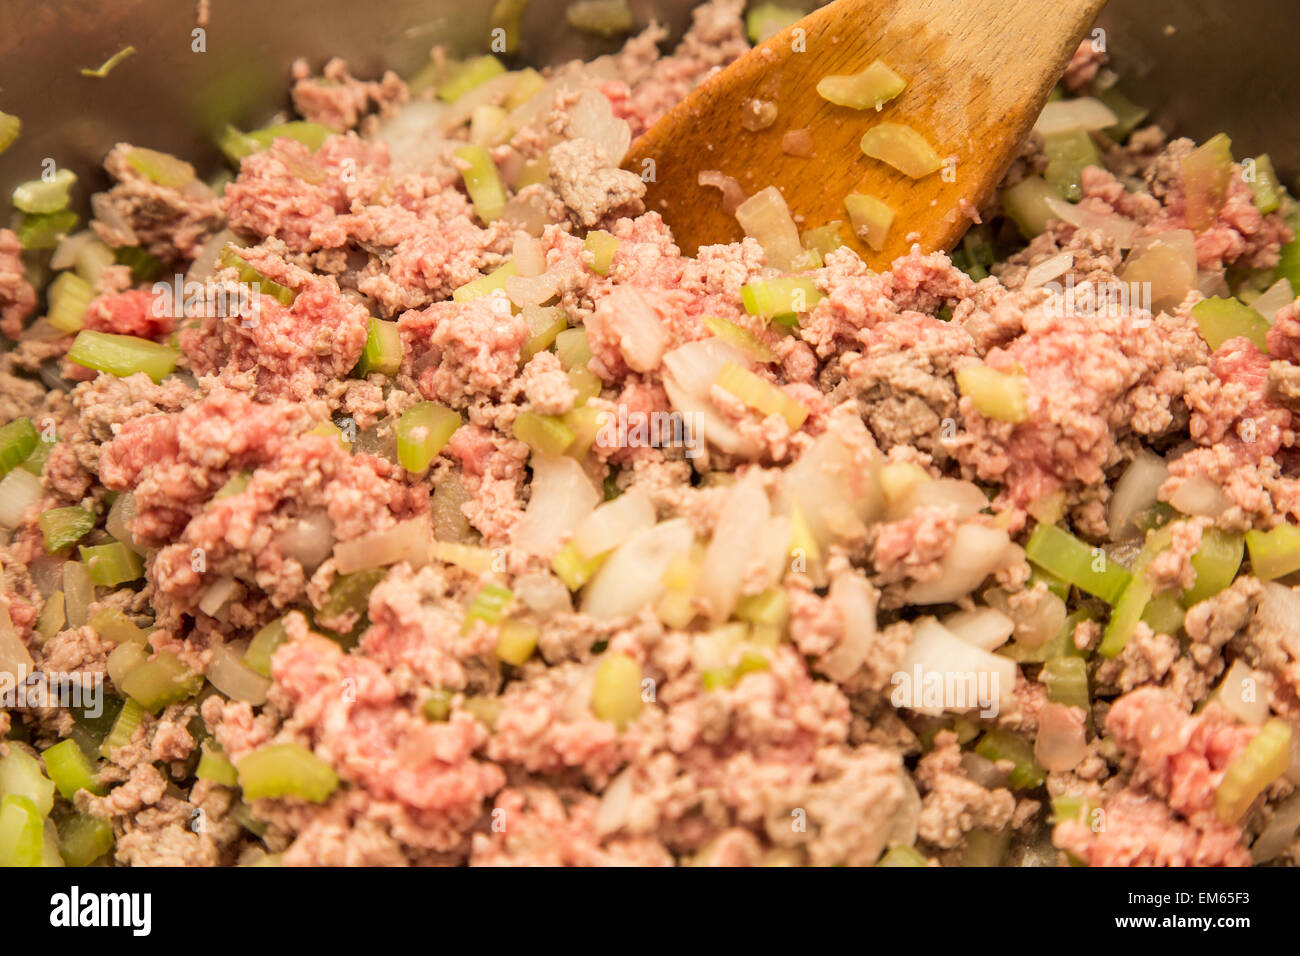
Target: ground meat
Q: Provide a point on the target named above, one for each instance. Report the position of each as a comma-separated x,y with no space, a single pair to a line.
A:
1084,65
135,312
593,188
17,297
472,348
337,99
952,804
547,386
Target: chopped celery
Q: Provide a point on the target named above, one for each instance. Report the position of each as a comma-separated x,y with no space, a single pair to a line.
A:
824,239
998,744
1216,563
616,691
53,617
1164,613
1265,758
383,349
901,147
547,434
84,839
437,706
573,349
486,710
235,485
1057,586
44,196
17,440
111,564
1026,204
143,266
10,127
516,641
350,593
1003,396
586,383
1288,261
422,432
35,462
1222,319
466,76
767,19
494,283
545,325
1126,615
70,769
286,770
482,182
506,15
44,232
21,832
474,559
573,567
124,727
585,422
263,645
122,355
760,394
1276,553
741,338
113,626
871,218
1068,153
229,259
161,681
21,775
770,298
1128,115
1207,175
770,608
1070,808
985,848
324,429
606,18
1066,679
237,145
108,65
602,246
1056,550
215,767
161,168
488,605
69,295
903,856
871,88
64,527
1268,191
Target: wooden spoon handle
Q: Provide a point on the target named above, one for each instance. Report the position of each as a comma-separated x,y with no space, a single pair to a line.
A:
978,72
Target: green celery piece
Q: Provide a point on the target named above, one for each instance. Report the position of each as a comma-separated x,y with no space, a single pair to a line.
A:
1164,613
1268,191
1058,586
1068,153
438,705
286,770
1275,553
229,259
17,441
124,727
545,325
1221,319
1066,679
44,231
122,355
1288,263
64,527
773,298
573,567
350,593
162,168
161,681
494,283
1003,396
482,182
10,127
35,462
766,19
1026,204
1216,564
1128,114
383,349
605,18
84,839
468,75
1207,175
44,196
903,856
21,832
214,766
263,645
602,246
68,295
573,349
111,564
22,775
422,432
1061,553
311,135
112,625
547,434
144,267
70,769
998,744
487,606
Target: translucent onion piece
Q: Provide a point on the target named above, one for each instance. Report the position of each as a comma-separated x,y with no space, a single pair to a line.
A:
561,496
308,539
408,541
1135,492
229,674
613,523
975,553
1085,112
633,576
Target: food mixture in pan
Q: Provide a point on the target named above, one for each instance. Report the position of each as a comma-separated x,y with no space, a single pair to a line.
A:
405,496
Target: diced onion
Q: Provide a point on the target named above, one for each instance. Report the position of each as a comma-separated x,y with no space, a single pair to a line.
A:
1135,492
615,803
20,490
529,257
855,599
78,592
976,552
1199,496
1166,262
119,518
1279,612
14,657
766,218
532,290
1049,269
1084,112
1279,295
1060,743
220,593
308,539
206,261
736,539
1248,702
829,484
408,541
229,674
963,497
1280,830
613,523
935,649
592,118
544,594
633,576
1124,231
985,627
689,373
732,193
561,496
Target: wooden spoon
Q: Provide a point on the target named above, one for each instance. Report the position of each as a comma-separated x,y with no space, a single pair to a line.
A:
978,72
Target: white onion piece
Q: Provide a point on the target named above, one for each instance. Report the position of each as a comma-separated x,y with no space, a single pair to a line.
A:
732,193
1279,611
982,770
413,134
205,262
766,218
964,497
494,91
936,650
409,541
1084,112
633,576
1244,694
984,627
976,552
1199,496
642,337
689,373
220,593
69,247
615,803
532,290
1166,261
828,484
20,490
736,539
119,520
78,592
1049,269
592,118
613,523
529,257
1280,830
543,594
1124,231
1278,296
774,545
1135,492
1038,620
1212,282
229,674
1060,742
562,495
14,656
855,599
308,539
123,659
528,213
